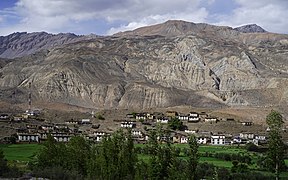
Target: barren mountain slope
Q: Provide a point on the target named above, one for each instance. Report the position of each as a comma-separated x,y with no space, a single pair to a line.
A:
175,63
21,44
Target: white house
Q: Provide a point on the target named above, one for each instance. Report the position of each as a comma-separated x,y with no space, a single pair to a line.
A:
218,140
61,137
47,127
260,137
128,124
247,123
98,138
237,140
72,122
85,121
23,137
190,131
183,117
193,117
4,117
211,119
184,140
202,140
140,116
99,133
150,116
34,112
246,135
162,120
137,133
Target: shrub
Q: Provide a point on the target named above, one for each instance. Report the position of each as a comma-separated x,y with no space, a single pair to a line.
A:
251,147
99,116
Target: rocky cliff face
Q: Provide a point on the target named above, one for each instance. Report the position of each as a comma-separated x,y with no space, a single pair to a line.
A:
175,63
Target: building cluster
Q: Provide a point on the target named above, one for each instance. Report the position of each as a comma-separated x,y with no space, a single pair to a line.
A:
140,125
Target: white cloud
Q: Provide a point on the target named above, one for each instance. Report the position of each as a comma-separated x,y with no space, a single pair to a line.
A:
194,16
271,15
58,15
120,15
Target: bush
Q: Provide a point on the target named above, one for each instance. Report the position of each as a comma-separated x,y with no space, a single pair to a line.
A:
251,147
57,173
99,116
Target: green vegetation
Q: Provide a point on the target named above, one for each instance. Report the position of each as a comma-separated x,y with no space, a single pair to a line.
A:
117,157
20,152
275,157
211,157
175,124
6,170
100,117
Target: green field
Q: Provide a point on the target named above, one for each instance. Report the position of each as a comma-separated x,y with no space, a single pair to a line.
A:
20,152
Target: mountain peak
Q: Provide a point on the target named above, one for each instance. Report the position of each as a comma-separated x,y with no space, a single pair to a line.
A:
250,28
174,28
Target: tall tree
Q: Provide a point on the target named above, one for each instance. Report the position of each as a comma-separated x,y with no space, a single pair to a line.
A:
77,153
193,157
276,145
3,163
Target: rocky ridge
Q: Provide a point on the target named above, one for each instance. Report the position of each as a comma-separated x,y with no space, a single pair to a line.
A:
250,28
22,44
170,64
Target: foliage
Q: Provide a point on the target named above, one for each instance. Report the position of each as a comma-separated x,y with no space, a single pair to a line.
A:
134,114
100,117
239,167
175,124
57,172
5,170
193,157
275,156
252,147
114,158
3,163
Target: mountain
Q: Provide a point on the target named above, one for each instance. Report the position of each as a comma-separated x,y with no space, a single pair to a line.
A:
21,44
169,64
250,28
178,28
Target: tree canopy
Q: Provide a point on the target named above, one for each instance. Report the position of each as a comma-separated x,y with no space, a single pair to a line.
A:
275,156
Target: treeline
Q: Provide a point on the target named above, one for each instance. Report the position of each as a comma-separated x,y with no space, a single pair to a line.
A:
117,158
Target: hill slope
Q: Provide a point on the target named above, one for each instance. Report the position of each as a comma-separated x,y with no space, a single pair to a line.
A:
170,64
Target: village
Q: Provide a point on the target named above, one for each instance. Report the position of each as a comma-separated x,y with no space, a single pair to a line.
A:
35,130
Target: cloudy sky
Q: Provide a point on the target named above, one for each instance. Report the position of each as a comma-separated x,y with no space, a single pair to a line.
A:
110,16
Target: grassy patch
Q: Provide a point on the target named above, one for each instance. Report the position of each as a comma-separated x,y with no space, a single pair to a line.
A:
20,152
216,162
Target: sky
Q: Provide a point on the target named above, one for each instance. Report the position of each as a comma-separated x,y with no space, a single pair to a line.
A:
106,17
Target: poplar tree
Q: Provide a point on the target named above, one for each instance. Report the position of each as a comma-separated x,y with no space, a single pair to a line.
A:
193,157
276,149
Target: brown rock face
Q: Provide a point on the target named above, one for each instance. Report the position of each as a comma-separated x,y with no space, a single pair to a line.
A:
175,63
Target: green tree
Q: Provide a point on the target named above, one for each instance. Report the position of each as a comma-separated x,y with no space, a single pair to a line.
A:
276,149
153,148
175,124
77,154
193,157
113,158
3,163
51,154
